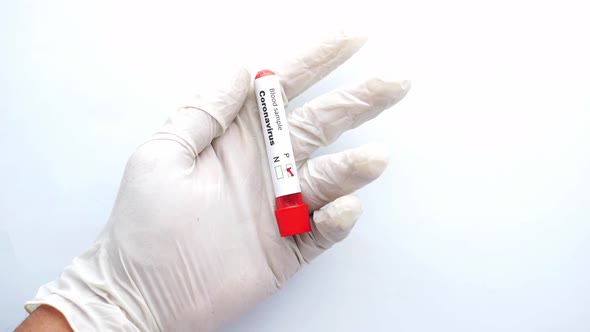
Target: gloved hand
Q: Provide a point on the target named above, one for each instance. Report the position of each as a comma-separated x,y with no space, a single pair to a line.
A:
192,240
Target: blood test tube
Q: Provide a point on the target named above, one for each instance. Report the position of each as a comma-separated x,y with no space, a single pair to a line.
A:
291,214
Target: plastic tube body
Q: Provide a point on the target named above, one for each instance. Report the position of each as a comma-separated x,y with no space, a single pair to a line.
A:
292,215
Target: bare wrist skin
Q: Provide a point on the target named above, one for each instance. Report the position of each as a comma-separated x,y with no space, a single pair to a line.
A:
45,319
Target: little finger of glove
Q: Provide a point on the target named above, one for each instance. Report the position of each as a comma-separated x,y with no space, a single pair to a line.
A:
330,224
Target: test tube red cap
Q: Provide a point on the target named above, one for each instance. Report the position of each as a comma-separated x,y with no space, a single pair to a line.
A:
292,215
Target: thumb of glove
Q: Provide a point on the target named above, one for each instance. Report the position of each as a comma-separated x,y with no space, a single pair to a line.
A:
211,111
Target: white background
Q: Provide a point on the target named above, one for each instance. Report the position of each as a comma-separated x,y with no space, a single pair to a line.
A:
480,223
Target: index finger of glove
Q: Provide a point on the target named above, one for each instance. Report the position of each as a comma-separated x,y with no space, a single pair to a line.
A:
303,71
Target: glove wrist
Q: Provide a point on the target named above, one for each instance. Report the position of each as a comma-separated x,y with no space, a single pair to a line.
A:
93,296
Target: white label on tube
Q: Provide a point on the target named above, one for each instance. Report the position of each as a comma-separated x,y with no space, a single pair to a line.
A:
275,130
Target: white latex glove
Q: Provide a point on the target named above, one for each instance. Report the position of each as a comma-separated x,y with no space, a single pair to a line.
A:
192,241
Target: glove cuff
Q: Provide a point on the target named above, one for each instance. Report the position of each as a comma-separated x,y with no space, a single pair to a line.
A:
88,316
93,298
